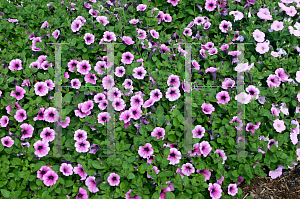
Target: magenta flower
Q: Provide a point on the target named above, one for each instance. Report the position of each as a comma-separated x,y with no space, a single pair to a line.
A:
113,94
82,194
119,104
280,73
205,148
48,134
173,80
262,48
45,65
277,25
41,89
136,100
80,135
243,98
207,108
215,190
50,178
174,156
155,95
19,94
232,189
103,117
228,82
167,17
134,21
222,154
113,179
76,25
4,121
225,26
84,67
109,36
206,173
120,71
173,94
128,40
237,15
66,123
291,11
136,112
75,83
82,146
126,116
27,130
90,78
142,34
99,97
108,82
15,64
102,19
80,171
20,115
7,141
66,169
264,13
87,106
278,172
56,33
273,81
91,183
279,125
50,84
35,64
127,195
223,97
139,73
40,115
158,132
187,32
198,132
51,115
196,150
127,58
145,151
89,38
72,64
42,171
141,7
173,2
41,148
187,169
210,5
103,104
154,34
252,90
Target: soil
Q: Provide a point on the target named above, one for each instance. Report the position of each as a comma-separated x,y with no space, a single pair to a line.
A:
287,186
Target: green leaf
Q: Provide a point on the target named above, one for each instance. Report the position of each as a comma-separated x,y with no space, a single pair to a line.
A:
273,159
69,183
73,42
235,173
5,193
80,46
273,148
170,195
172,138
146,2
131,176
51,71
180,119
85,56
96,164
103,186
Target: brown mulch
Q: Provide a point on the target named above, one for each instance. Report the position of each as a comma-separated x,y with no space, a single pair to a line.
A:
287,186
